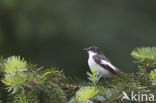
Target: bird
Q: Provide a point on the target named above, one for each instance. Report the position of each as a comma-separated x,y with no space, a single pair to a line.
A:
97,61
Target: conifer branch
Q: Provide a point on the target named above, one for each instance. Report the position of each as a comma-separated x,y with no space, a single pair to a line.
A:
20,81
67,86
114,99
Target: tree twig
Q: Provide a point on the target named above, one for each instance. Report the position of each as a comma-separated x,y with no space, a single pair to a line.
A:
114,99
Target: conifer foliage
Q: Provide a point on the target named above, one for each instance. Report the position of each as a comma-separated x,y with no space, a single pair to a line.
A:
21,82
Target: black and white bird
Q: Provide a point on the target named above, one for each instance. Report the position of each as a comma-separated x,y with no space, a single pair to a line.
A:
98,61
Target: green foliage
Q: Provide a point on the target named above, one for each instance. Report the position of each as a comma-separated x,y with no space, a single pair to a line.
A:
21,82
85,94
15,78
145,57
143,53
27,83
3,93
15,82
27,97
57,94
94,77
15,64
153,76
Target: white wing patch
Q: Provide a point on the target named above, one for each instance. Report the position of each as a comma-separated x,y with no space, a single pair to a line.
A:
109,64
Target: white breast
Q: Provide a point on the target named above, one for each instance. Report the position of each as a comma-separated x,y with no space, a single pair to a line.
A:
93,65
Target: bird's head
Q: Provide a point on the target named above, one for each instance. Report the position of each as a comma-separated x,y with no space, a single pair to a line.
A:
93,49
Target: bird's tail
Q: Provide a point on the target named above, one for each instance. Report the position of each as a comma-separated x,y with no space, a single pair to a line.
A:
119,72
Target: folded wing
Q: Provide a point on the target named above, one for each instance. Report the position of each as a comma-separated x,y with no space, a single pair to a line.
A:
105,63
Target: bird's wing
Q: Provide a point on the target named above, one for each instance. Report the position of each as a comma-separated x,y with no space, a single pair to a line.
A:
106,64
103,58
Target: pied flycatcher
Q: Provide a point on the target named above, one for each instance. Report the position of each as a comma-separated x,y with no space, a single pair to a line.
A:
98,61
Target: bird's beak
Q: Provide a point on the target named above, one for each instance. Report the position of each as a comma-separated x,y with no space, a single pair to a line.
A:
85,49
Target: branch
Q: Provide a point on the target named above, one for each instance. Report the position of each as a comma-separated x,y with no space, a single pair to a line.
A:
114,99
66,86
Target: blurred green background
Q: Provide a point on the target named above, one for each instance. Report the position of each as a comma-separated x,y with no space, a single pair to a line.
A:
54,32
